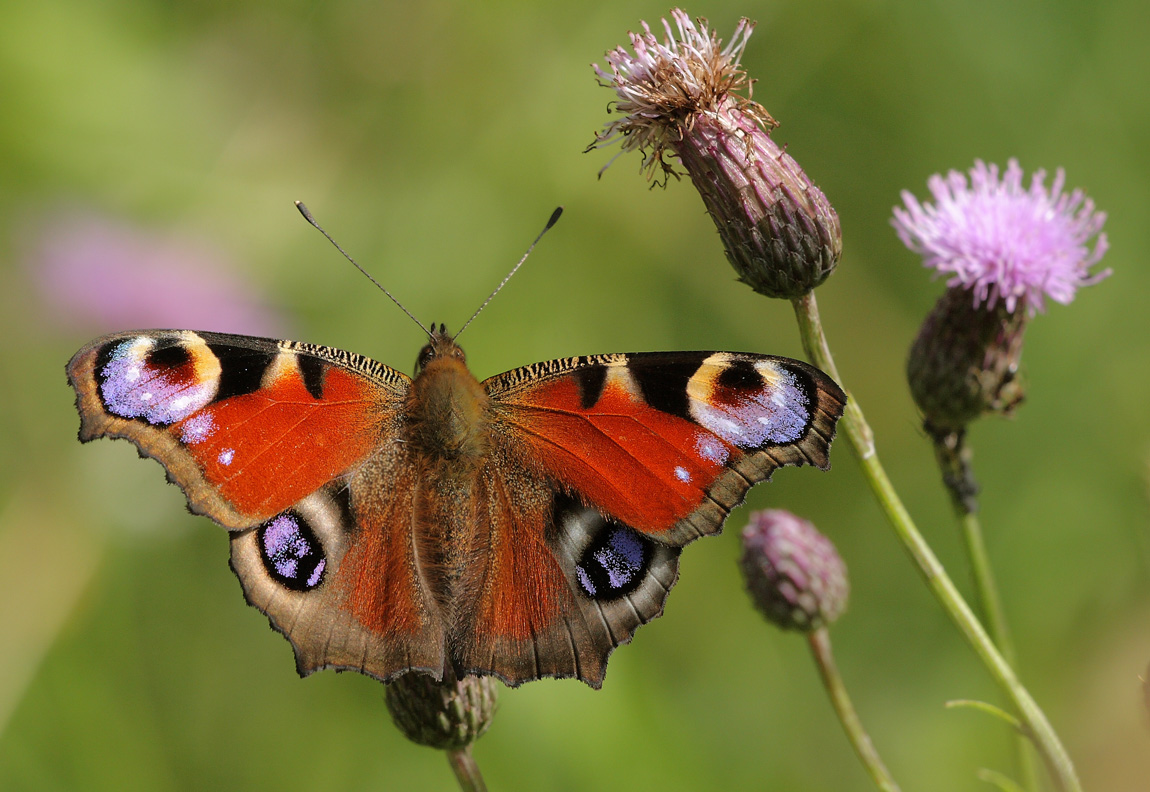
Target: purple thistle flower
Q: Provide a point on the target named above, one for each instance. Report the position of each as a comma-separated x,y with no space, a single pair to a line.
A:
677,99
1002,241
95,272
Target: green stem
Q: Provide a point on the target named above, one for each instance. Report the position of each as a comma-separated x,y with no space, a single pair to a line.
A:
466,770
861,438
820,641
953,457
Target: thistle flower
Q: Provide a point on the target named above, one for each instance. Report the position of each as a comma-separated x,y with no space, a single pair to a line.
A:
1007,249
678,98
793,573
97,272
1002,242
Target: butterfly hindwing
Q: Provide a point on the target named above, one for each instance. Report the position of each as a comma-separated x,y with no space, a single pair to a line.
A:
336,575
557,586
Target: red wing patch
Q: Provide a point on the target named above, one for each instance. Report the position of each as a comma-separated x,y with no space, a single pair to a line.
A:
266,450
644,467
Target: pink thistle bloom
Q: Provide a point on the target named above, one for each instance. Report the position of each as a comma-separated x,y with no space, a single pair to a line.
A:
677,98
99,273
664,86
1002,241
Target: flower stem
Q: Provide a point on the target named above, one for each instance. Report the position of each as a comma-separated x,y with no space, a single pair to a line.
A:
861,438
953,457
466,770
820,641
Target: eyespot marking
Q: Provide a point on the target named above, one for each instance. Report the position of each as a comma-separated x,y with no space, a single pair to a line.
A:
751,403
291,553
614,563
161,380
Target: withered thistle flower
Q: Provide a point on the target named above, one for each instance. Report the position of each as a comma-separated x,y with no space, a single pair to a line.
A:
794,575
678,98
1007,248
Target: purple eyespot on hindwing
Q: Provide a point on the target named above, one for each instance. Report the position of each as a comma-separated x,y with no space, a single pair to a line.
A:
614,563
156,380
291,552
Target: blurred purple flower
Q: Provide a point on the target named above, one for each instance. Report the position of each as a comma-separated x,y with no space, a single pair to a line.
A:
1002,241
105,275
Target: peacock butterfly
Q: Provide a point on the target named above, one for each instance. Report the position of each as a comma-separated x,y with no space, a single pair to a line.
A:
523,526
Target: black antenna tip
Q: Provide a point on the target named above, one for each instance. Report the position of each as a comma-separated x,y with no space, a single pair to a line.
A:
554,218
303,211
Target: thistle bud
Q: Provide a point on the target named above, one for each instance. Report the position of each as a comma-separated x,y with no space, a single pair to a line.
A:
677,97
964,361
793,573
449,715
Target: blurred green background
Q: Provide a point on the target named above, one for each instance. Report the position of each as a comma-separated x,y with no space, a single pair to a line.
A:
158,146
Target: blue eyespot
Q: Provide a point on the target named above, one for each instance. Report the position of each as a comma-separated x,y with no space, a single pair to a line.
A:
291,552
614,563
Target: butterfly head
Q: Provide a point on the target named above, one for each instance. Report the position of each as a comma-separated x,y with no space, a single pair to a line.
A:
442,346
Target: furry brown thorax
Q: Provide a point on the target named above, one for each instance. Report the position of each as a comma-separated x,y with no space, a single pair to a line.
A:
448,406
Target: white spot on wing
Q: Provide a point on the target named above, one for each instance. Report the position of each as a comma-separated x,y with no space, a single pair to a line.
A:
682,474
711,449
198,428
226,456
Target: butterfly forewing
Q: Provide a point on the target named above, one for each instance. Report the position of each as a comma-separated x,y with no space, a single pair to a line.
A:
667,443
245,426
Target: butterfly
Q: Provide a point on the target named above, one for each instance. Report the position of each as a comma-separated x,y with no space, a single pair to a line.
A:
522,527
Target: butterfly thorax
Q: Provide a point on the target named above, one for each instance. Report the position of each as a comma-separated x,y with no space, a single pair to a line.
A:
447,409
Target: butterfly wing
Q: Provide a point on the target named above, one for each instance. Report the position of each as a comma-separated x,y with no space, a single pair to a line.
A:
624,459
294,448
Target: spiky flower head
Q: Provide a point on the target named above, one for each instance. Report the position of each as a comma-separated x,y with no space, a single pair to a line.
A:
678,98
1005,242
1006,248
794,575
446,714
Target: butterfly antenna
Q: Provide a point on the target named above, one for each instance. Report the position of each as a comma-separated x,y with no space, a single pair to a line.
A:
303,210
551,222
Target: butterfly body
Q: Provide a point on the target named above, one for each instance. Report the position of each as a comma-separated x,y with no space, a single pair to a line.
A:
523,526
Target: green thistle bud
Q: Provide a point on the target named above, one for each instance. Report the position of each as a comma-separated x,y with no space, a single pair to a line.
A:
449,714
793,573
779,231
